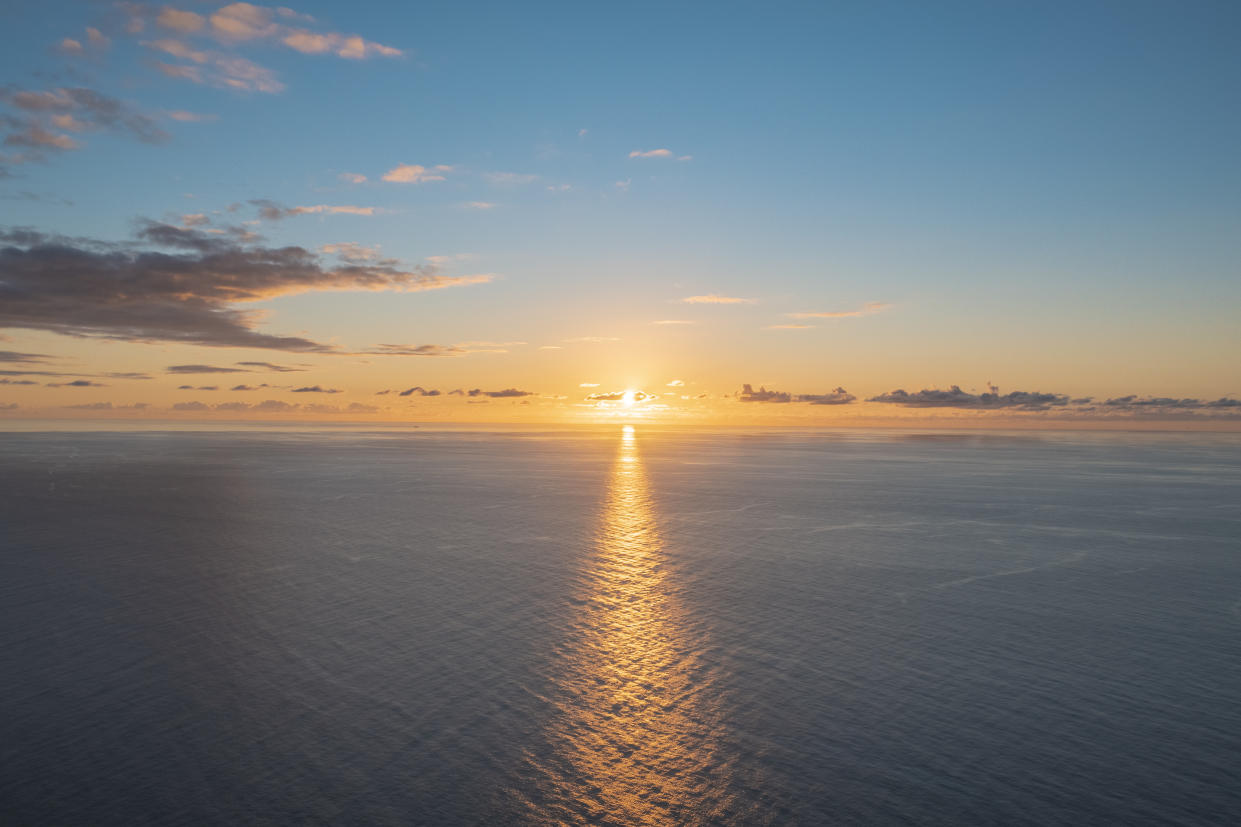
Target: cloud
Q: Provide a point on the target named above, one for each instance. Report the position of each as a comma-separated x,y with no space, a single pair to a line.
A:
18,382
272,211
272,367
214,68
352,177
748,394
589,385
76,383
185,116
92,406
418,350
316,389
185,22
673,321
415,173
128,375
480,205
675,383
420,391
351,251
1148,403
592,339
712,298
504,394
839,396
651,153
233,406
10,406
274,406
73,109
23,358
185,292
191,406
789,327
868,309
620,396
182,369
954,397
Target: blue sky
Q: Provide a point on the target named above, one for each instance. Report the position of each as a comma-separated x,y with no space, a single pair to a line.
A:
1046,195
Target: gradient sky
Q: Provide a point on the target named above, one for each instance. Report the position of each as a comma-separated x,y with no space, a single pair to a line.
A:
831,201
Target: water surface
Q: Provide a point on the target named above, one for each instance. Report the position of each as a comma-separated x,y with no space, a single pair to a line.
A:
620,627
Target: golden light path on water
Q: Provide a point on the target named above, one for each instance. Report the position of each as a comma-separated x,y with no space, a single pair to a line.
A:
636,733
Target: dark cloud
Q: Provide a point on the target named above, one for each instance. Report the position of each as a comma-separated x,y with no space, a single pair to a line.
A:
249,387
130,292
274,368
92,406
76,383
47,119
32,373
202,369
748,394
1148,403
358,407
316,389
25,358
233,406
274,406
839,396
504,394
191,406
128,375
18,382
420,391
456,392
954,397
11,406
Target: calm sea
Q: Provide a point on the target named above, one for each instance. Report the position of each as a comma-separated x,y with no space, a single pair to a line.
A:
619,627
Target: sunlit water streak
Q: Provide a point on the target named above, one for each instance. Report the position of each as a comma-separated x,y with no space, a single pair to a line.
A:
635,739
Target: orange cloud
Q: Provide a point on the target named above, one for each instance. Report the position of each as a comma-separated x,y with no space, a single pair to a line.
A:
415,173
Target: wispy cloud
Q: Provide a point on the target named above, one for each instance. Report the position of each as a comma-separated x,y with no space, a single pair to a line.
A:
651,153
591,339
315,389
352,177
673,321
480,205
45,116
213,68
789,327
185,116
868,309
416,173
272,211
712,298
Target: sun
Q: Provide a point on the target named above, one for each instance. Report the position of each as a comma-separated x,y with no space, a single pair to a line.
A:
630,397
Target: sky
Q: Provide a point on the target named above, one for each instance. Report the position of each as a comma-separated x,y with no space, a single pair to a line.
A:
790,213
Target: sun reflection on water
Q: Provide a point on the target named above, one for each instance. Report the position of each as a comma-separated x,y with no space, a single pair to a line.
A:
636,733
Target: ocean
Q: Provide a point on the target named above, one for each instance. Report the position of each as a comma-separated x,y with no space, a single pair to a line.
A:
620,626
